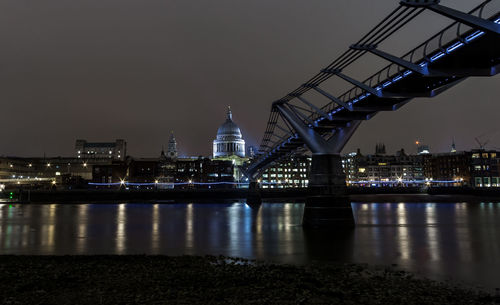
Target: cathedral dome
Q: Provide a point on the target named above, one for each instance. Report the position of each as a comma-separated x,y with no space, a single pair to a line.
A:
229,130
229,140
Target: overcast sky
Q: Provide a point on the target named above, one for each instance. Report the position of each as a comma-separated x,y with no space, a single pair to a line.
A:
106,69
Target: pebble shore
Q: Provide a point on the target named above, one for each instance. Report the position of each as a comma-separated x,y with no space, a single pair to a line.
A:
141,279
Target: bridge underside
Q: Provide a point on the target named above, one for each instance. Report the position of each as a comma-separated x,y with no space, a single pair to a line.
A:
325,131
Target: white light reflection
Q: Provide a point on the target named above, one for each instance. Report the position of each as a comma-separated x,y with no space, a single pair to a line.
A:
259,238
189,229
8,233
432,231
462,229
25,231
403,236
120,229
287,224
155,233
234,233
48,229
82,223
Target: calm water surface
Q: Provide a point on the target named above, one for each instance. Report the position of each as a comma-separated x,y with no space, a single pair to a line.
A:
459,241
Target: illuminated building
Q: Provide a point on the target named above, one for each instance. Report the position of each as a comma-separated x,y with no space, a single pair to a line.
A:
485,168
380,169
291,172
101,150
448,167
229,141
230,146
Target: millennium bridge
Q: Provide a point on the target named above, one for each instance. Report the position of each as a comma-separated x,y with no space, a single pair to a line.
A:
469,46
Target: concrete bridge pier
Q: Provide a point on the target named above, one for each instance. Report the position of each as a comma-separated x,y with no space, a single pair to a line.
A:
328,205
254,197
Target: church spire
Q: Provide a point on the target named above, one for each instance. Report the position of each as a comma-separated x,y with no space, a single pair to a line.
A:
172,146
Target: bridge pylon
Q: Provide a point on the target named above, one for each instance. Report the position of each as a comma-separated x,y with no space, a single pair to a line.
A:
328,204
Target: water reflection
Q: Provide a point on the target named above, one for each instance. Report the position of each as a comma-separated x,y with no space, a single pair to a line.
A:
82,222
189,228
432,234
121,238
459,240
155,232
48,228
402,232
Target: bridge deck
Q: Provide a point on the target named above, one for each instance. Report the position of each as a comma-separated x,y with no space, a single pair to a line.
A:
470,53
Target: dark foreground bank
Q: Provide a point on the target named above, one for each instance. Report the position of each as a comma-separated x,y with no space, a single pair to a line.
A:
212,280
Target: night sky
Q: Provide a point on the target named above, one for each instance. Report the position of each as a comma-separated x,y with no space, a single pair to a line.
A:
107,69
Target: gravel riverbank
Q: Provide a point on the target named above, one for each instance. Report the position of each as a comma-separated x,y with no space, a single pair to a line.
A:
212,280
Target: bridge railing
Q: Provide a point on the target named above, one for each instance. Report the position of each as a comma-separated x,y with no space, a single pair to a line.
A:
445,41
426,52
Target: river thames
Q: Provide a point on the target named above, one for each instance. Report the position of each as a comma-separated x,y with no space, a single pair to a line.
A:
457,241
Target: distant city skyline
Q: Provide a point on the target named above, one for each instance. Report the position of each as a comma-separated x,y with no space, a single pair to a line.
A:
141,69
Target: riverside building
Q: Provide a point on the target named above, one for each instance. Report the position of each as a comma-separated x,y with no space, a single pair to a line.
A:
101,150
292,172
381,169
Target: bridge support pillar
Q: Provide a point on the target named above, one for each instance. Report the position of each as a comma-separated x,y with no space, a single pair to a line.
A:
254,197
328,204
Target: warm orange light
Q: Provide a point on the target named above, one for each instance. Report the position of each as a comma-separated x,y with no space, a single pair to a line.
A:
417,142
